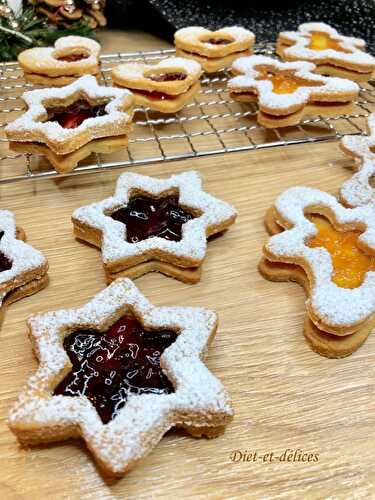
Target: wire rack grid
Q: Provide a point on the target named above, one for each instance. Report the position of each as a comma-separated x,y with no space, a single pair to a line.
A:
211,124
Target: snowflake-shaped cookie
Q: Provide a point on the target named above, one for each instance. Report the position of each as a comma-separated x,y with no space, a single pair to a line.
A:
94,224
197,403
255,75
34,124
358,190
332,308
347,52
23,269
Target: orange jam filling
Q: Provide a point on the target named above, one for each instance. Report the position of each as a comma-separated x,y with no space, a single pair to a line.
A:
284,82
350,262
322,41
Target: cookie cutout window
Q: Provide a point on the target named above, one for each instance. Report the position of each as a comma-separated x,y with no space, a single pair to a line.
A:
320,40
350,262
107,367
147,217
73,115
284,82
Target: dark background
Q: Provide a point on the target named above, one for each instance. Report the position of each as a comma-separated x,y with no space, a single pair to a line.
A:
266,18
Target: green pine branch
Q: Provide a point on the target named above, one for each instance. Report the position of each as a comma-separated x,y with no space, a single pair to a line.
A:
39,31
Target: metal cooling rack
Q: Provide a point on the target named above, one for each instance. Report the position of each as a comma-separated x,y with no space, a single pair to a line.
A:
211,124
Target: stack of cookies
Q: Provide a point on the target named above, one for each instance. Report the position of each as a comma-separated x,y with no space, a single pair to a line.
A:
67,124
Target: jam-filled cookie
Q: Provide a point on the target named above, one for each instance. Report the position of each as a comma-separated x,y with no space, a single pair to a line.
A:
23,270
214,50
68,118
166,86
330,251
70,58
120,372
358,189
154,225
286,92
334,54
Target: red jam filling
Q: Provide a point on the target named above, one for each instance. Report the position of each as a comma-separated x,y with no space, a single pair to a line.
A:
5,263
167,77
72,57
108,367
148,217
218,41
74,115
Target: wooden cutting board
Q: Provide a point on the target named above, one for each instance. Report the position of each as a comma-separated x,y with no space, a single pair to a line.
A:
288,400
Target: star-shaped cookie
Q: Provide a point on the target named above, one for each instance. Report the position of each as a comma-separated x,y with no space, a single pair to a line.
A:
107,113
154,225
23,270
358,190
285,92
51,408
330,250
334,54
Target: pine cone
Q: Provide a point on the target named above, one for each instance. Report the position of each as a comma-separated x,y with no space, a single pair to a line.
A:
65,12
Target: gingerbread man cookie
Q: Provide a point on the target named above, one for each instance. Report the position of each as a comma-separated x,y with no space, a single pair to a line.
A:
358,190
154,225
23,270
286,92
65,119
70,58
330,250
120,372
214,50
166,86
334,54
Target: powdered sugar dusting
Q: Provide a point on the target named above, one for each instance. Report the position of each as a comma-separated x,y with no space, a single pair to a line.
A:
23,256
331,88
335,306
29,126
302,39
199,398
135,71
193,243
358,190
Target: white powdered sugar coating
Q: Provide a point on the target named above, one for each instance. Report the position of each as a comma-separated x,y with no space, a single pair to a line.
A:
302,40
357,190
188,185
145,418
136,71
334,305
335,88
23,256
86,86
43,59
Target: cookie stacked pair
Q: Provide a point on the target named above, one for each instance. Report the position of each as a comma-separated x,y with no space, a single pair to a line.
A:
328,246
118,371
287,91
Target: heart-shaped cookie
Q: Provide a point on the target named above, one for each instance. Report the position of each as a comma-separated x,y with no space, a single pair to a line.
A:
214,50
70,58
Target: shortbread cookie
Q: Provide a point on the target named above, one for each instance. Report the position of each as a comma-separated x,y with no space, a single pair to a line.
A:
120,372
214,50
23,270
165,86
154,225
70,58
334,54
67,118
286,92
66,163
330,250
358,189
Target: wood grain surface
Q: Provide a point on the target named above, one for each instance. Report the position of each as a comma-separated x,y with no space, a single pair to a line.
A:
285,396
